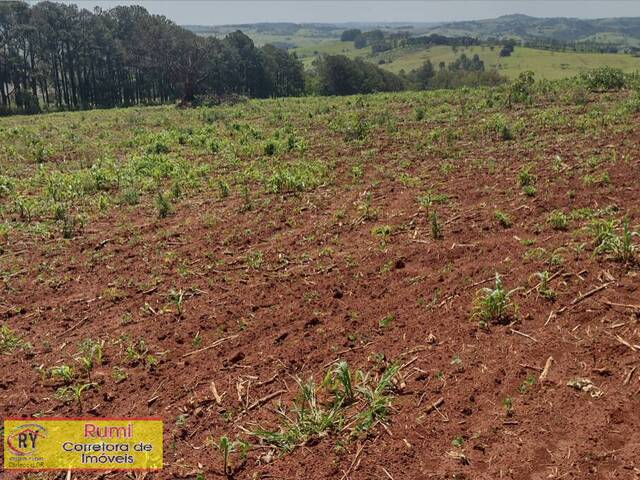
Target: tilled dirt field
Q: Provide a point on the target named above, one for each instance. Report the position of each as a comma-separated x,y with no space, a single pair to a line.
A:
351,269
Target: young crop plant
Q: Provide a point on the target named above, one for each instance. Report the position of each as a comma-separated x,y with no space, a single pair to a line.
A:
25,208
357,128
619,246
223,188
7,186
227,448
308,418
498,125
503,219
118,374
381,231
357,172
525,177
247,202
543,288
10,341
297,177
624,249
554,258
601,178
378,398
527,384
77,391
387,320
254,259
436,229
345,403
138,353
527,181
73,393
90,353
130,196
428,199
368,212
63,373
494,305
507,404
163,204
177,298
457,442
530,190
71,226
270,148
558,220
340,384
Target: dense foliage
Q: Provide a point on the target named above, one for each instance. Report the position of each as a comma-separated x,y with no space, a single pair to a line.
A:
63,57
380,41
463,72
339,75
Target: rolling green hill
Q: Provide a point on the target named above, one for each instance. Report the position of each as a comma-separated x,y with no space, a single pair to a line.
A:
311,40
618,31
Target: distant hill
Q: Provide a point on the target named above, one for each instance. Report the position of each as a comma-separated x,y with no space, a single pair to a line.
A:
267,30
618,31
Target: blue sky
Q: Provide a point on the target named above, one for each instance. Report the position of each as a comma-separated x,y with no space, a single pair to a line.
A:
209,12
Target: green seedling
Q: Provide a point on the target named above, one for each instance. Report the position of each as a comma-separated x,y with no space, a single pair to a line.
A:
607,241
163,204
227,448
78,390
543,288
310,419
507,403
494,304
62,373
558,220
528,382
90,353
436,229
10,341
340,382
177,298
378,399
503,219
386,320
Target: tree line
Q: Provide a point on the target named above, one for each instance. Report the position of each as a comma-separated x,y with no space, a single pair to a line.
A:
339,75
380,41
61,57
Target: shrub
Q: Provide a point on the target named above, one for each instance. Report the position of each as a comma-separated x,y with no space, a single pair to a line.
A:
521,90
603,78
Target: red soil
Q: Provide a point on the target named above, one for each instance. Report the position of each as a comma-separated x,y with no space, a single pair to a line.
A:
291,317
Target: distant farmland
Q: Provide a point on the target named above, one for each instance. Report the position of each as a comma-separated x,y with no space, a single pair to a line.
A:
546,64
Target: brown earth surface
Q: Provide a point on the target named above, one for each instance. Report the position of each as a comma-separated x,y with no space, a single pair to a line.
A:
319,294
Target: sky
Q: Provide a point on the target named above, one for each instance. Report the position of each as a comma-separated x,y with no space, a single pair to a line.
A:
220,12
